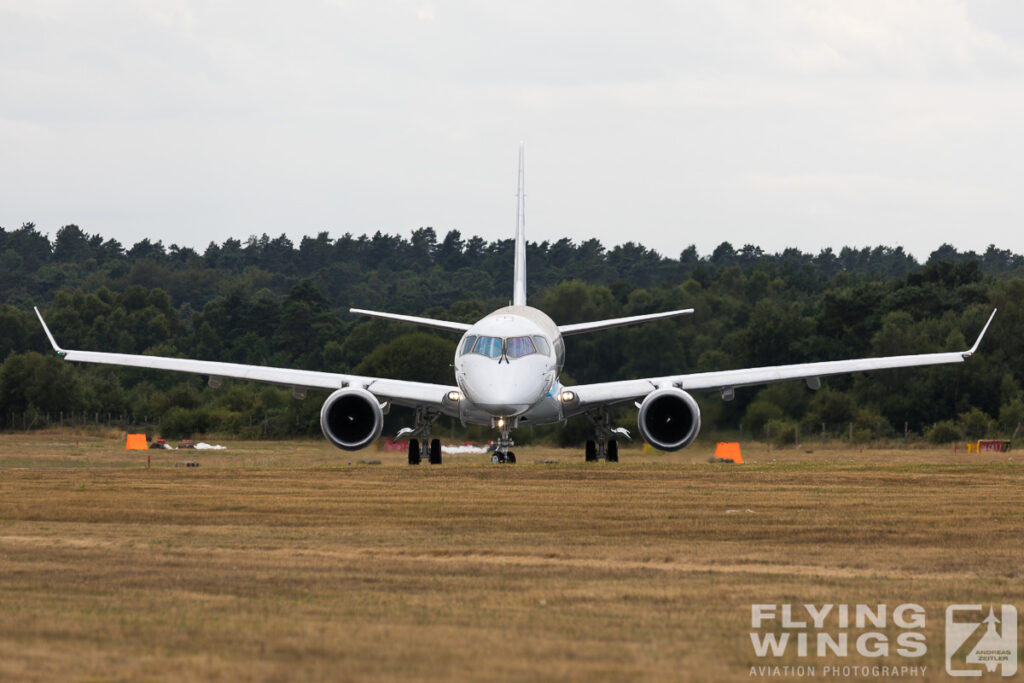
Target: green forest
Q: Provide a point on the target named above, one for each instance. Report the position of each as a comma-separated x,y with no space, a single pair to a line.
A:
270,301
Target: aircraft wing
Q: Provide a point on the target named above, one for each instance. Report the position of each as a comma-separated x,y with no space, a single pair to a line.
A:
400,392
588,396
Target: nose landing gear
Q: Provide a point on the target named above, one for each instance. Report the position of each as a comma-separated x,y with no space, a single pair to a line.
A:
502,454
507,458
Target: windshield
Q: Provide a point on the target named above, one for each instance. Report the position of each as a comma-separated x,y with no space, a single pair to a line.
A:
510,347
488,346
517,347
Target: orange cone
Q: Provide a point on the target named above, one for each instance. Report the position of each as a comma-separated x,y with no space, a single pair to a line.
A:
728,451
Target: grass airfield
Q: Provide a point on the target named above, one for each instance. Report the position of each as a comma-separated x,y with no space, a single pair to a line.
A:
280,561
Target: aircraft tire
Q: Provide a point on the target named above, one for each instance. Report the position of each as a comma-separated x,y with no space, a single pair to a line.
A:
510,458
613,450
414,452
435,452
591,451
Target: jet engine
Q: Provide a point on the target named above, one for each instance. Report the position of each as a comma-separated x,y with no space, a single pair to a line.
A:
669,419
351,418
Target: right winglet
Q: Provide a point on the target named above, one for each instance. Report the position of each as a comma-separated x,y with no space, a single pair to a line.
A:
968,354
49,335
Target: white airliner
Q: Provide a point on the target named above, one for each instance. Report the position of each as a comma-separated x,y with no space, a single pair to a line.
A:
506,375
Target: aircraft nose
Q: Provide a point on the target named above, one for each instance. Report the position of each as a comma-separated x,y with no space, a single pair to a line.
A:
506,393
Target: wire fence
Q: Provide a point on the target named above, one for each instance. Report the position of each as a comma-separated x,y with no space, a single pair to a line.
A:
786,432
270,426
256,428
28,420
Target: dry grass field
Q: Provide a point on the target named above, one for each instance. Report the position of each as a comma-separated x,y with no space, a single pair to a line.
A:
280,561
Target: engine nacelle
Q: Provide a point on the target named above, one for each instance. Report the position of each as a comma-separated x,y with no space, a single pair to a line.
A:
669,419
351,418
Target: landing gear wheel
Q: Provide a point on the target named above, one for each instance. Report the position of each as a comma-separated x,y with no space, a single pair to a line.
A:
591,451
613,450
435,452
414,452
510,458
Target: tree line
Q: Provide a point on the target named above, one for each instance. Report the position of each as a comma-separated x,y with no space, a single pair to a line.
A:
270,301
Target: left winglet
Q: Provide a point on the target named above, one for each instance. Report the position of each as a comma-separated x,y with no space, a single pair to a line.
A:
49,335
973,349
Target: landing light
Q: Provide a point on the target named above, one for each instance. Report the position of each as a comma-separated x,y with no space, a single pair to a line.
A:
454,396
501,422
566,396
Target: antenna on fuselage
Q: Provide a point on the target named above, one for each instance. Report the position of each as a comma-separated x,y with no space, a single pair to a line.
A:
519,283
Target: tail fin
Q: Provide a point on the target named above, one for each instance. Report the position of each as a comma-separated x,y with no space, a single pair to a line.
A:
519,285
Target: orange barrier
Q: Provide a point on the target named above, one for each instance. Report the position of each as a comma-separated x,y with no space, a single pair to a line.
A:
136,442
728,451
988,446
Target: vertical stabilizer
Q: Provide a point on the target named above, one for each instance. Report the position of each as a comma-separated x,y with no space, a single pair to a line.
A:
519,285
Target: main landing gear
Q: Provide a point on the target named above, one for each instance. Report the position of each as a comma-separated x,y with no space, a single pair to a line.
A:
432,447
601,447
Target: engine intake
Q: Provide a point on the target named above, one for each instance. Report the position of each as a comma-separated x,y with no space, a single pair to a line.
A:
351,418
669,419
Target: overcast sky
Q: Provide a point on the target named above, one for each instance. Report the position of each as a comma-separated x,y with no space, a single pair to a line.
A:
806,124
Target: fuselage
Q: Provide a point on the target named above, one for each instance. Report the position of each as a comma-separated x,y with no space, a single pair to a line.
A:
507,366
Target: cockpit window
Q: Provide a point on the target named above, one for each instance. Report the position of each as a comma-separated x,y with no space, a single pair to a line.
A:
542,345
517,347
488,346
508,348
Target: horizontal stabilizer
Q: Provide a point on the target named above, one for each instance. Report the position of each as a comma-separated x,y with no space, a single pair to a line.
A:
415,320
618,322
